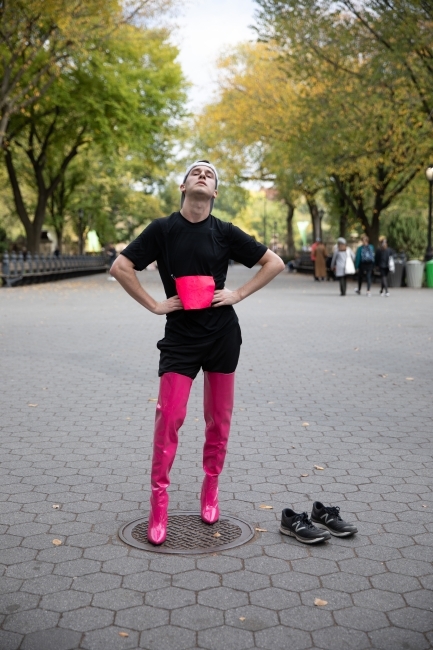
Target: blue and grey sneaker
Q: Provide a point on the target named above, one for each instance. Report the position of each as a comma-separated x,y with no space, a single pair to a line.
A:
328,518
298,525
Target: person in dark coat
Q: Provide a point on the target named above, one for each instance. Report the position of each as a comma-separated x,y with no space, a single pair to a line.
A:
382,256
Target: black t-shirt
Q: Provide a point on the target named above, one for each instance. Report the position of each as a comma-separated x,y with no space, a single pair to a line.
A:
184,248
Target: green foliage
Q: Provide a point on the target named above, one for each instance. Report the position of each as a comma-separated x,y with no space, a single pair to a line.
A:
408,235
231,200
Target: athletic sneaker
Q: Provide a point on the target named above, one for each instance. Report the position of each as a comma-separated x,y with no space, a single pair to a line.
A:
368,294
358,292
298,525
387,294
328,518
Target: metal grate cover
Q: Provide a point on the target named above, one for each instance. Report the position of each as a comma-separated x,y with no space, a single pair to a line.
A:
187,534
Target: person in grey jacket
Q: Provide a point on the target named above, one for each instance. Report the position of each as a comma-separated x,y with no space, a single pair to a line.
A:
338,263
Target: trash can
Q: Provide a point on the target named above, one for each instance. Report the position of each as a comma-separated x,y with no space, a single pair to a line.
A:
396,279
414,274
429,273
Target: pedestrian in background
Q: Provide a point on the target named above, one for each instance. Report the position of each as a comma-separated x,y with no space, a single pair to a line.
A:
313,258
364,264
384,261
342,263
320,261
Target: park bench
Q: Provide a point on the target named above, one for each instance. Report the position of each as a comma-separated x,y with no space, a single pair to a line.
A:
16,270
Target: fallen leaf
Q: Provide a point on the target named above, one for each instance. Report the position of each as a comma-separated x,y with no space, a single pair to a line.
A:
217,535
57,542
261,530
424,506
318,467
305,424
383,375
356,349
242,618
407,379
32,404
304,475
124,634
56,506
264,507
271,402
152,399
319,602
128,418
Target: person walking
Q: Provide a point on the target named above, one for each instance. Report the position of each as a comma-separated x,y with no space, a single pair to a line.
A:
320,261
193,249
364,264
342,263
382,261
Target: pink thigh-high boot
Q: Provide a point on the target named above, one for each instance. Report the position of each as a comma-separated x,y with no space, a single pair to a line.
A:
218,408
170,414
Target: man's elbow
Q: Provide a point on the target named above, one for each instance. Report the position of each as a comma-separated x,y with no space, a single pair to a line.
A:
116,267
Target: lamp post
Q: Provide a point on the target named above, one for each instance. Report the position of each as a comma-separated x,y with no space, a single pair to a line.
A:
264,219
429,251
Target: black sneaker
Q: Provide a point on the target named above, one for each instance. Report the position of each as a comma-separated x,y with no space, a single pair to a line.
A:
328,518
298,525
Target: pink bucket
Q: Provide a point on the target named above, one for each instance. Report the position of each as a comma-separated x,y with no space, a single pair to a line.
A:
195,291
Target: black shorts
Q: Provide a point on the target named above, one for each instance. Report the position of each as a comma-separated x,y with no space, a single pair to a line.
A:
218,355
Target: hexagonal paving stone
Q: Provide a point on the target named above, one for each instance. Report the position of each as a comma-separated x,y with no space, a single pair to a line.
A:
246,580
251,618
17,601
124,566
197,617
338,638
274,598
361,618
96,583
10,640
222,598
167,638
142,618
170,598
220,564
306,618
283,638
65,601
87,619
109,639
226,637
195,580
383,601
146,581
46,584
30,621
410,618
398,639
117,599
54,639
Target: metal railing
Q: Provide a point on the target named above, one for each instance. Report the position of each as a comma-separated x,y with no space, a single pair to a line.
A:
42,268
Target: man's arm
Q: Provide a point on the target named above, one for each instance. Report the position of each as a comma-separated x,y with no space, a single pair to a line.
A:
271,265
124,272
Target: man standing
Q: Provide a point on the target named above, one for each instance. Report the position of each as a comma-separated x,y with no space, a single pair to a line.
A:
193,249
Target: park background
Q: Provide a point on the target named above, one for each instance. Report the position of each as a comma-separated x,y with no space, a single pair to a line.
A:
317,114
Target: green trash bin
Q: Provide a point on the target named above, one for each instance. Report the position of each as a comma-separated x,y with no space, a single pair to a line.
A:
429,274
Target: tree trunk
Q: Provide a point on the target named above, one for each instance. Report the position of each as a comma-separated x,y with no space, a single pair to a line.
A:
291,251
316,220
344,213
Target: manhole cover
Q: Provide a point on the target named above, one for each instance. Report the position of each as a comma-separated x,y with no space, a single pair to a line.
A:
187,534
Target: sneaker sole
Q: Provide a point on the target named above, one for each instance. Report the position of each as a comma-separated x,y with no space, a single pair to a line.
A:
289,533
333,532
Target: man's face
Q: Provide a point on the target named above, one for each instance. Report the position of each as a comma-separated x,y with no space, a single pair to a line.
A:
200,183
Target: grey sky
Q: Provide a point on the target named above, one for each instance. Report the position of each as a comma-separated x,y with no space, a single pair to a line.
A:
206,28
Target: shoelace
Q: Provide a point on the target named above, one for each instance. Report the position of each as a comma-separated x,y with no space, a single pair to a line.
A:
303,518
334,510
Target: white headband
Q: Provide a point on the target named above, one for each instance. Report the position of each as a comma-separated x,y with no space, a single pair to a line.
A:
199,163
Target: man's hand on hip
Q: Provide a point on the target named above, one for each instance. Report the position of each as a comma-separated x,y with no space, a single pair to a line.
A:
167,306
224,297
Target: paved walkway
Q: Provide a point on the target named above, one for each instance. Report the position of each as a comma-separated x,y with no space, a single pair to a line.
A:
77,403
